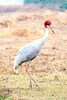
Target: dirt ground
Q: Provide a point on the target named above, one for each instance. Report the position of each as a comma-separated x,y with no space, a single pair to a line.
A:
50,66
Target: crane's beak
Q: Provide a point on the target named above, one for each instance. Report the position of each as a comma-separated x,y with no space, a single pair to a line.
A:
51,29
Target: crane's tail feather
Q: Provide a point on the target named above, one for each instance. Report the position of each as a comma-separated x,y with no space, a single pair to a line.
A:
15,67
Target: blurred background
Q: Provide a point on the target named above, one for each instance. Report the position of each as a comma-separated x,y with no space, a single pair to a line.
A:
22,22
51,4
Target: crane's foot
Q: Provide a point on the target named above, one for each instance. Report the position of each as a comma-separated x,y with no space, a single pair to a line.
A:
34,82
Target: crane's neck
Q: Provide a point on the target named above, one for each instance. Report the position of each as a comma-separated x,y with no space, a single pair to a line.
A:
43,39
46,34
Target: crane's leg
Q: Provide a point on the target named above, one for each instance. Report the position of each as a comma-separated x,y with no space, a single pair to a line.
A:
31,79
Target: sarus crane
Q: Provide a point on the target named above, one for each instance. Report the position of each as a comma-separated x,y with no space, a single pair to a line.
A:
30,51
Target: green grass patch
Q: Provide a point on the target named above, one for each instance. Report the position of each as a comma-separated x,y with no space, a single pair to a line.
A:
50,89
3,97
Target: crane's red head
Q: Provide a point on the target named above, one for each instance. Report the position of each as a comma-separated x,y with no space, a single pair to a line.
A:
47,23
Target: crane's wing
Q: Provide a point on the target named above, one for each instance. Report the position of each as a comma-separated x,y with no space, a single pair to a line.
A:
26,53
28,50
31,47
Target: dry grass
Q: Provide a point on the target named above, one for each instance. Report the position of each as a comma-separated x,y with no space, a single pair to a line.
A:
20,28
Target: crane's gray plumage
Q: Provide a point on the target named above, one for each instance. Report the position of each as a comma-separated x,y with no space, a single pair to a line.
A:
30,51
